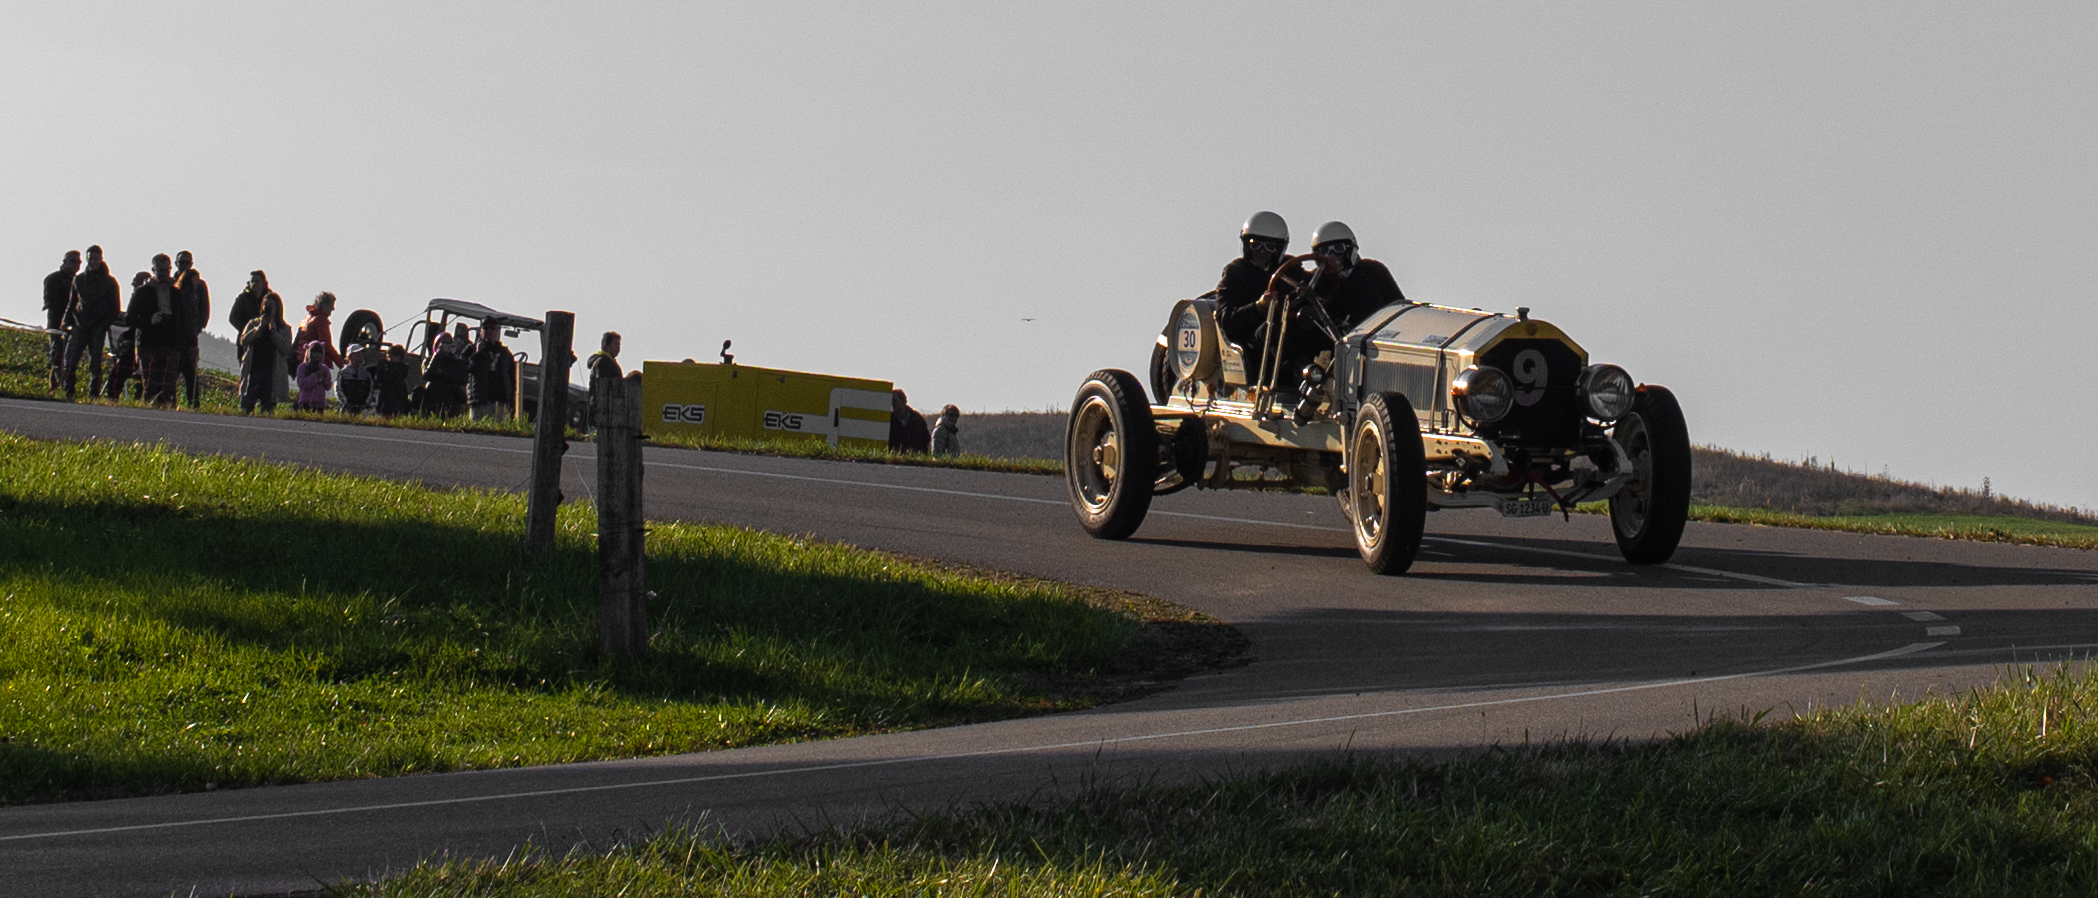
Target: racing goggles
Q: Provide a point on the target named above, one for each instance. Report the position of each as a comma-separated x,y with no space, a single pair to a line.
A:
1265,245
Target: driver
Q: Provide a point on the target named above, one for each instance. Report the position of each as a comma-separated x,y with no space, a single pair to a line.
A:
1262,242
1349,286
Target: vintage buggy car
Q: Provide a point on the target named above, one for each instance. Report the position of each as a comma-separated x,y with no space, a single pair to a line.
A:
1417,408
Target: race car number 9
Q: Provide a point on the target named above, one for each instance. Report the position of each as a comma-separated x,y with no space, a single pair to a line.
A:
1530,372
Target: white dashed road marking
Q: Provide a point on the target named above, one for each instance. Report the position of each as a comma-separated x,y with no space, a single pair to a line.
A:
1870,600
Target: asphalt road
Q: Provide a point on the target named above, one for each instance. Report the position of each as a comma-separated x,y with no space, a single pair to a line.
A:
1505,631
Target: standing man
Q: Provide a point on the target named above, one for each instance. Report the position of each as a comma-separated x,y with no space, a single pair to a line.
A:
249,303
58,294
197,295
492,373
95,306
907,430
162,317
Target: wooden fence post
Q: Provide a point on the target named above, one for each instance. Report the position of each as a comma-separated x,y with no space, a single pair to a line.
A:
550,430
622,610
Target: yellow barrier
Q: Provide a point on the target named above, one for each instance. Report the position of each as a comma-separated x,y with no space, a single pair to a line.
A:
763,403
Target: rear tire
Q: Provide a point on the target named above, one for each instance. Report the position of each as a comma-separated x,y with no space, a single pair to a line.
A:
1110,454
1161,373
1387,484
1649,513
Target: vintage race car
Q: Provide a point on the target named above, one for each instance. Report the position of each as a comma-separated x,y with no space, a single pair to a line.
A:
1416,408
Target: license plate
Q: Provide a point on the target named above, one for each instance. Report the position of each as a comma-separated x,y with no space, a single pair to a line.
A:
1525,508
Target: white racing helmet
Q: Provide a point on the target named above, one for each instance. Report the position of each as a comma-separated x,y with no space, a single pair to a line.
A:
1334,232
1265,226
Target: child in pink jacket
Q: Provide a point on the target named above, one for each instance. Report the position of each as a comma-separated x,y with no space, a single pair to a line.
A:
314,380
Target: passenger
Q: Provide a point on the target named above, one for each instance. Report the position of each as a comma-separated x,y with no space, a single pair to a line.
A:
907,431
946,432
492,376
162,317
1349,286
313,379
355,385
96,305
264,344
249,303
444,379
391,381
58,295
197,295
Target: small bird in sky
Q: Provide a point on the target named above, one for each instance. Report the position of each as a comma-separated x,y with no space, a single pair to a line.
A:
1026,319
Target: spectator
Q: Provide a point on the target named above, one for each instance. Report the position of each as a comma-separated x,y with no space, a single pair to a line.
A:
197,295
317,329
249,303
946,432
162,317
355,385
125,365
58,296
391,381
96,304
492,376
313,379
907,431
606,358
444,379
264,343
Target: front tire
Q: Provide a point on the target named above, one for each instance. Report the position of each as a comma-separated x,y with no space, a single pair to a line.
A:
1649,513
1387,484
1111,454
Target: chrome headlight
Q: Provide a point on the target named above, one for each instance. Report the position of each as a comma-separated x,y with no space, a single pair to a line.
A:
1608,391
1483,394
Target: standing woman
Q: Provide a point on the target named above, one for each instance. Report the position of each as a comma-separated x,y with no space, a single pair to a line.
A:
265,347
318,329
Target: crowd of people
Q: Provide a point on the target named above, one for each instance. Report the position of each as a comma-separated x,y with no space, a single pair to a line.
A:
150,345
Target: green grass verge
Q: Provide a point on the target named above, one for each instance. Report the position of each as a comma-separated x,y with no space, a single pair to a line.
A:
172,622
1986,794
1986,528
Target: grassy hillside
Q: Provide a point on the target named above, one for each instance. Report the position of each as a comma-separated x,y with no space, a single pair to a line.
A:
170,622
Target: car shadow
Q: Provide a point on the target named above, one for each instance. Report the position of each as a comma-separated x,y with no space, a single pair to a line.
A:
1255,548
1332,650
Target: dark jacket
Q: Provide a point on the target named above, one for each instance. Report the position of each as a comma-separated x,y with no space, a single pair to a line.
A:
1237,291
1366,289
192,287
391,380
58,295
908,433
490,370
173,330
97,301
245,307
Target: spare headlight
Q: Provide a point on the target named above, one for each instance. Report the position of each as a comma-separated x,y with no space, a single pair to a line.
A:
1483,394
1608,390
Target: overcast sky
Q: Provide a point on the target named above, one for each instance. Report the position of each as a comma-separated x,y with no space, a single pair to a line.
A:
1866,233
